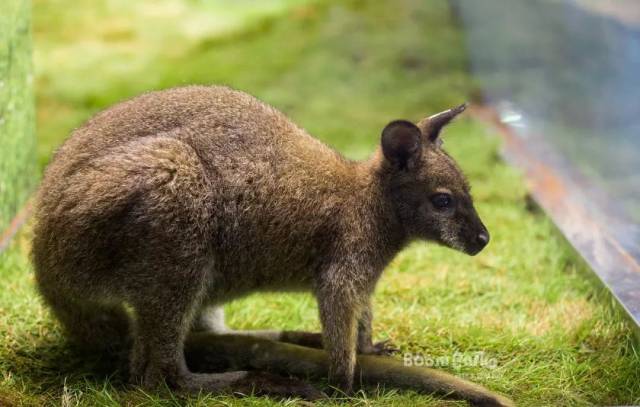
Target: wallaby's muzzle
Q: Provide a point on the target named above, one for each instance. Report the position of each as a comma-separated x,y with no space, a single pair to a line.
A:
473,235
481,241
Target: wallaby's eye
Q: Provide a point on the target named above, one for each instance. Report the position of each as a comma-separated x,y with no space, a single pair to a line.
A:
442,201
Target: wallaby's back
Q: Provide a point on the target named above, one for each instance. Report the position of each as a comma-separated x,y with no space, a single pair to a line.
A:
221,124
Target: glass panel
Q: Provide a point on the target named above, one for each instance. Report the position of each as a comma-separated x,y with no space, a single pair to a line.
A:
564,75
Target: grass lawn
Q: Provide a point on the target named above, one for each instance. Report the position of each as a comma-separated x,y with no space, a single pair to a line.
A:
342,70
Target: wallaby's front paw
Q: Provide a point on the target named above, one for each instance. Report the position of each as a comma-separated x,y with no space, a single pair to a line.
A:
382,348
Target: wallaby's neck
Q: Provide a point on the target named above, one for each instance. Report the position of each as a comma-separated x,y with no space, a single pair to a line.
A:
374,206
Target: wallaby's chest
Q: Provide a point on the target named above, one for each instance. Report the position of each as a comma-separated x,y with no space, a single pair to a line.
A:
271,242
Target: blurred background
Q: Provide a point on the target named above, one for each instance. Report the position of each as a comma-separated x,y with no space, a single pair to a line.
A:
555,89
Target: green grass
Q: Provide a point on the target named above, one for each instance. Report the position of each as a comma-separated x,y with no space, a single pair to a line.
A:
17,132
342,72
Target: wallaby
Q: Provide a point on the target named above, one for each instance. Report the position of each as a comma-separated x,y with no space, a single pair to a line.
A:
175,202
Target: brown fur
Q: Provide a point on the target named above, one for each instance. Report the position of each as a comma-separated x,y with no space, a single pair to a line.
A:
180,200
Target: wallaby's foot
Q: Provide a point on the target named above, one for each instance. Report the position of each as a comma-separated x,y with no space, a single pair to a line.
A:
382,348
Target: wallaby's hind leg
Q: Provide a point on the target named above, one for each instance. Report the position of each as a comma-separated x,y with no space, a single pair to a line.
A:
161,317
162,322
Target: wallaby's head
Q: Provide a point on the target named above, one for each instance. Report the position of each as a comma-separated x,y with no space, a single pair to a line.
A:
428,190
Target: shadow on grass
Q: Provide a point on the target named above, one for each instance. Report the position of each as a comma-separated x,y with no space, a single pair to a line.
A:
50,366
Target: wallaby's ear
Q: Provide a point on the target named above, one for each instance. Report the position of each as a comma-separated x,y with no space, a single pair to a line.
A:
432,125
401,143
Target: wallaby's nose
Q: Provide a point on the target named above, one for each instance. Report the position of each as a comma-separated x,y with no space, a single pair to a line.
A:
483,238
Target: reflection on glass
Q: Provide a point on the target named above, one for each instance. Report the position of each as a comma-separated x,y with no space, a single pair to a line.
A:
566,75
